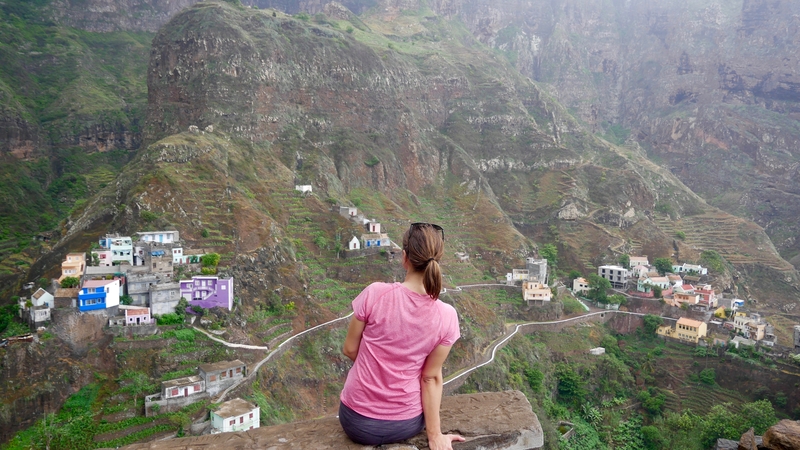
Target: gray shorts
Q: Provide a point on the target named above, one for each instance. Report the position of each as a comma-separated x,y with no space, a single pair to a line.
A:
367,431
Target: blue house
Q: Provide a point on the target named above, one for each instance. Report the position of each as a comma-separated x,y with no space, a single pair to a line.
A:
98,294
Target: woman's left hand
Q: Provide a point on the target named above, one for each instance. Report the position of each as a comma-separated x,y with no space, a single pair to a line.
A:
443,441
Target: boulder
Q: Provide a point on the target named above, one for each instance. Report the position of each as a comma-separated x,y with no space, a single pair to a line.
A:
748,441
785,435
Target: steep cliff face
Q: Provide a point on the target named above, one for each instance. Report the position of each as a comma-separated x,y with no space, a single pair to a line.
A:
707,87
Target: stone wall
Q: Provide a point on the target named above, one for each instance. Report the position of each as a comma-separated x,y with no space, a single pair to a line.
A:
172,404
131,331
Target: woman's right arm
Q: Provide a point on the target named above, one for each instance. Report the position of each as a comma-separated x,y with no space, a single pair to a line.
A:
353,339
431,384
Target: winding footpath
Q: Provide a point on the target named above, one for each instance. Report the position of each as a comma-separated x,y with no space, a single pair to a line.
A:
488,358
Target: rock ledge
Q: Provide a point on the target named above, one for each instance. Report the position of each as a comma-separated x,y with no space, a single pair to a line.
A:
489,421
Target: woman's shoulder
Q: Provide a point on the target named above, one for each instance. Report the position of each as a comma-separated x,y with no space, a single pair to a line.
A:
379,287
446,309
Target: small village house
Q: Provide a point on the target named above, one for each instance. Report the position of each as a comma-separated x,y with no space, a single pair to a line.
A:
519,274
98,295
182,387
137,316
770,339
580,285
462,256
674,279
535,292
372,240
708,295
42,298
121,248
373,227
666,331
645,284
689,268
739,340
348,211
164,297
638,261
537,269
755,330
616,275
66,297
752,326
103,257
208,292
354,244
138,285
304,188
797,338
597,351
235,415
166,237
639,271
686,297
690,330
218,376
73,266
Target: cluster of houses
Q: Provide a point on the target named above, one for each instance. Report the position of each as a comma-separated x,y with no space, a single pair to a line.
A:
535,289
750,328
685,286
372,240
210,380
681,286
141,269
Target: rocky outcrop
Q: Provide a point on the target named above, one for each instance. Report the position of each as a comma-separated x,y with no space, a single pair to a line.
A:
493,420
783,436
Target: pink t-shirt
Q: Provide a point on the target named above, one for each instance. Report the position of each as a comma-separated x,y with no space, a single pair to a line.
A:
402,329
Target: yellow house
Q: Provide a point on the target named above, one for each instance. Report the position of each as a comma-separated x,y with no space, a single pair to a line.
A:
720,312
73,266
690,330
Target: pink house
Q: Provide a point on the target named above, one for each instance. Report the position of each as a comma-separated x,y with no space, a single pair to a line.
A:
138,316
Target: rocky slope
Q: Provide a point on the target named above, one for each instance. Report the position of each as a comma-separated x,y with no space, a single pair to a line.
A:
708,87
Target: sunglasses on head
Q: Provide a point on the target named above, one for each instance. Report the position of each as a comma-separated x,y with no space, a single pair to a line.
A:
433,225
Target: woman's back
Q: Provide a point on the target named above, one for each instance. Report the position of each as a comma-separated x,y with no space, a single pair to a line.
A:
402,328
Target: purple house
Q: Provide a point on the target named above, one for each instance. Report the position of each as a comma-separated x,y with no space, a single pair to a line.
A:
208,292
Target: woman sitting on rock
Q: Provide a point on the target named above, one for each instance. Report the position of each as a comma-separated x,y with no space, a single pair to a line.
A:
398,339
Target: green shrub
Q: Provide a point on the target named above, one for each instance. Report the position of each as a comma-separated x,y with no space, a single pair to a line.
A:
169,319
148,216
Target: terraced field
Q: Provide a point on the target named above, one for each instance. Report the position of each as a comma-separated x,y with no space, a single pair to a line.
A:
738,241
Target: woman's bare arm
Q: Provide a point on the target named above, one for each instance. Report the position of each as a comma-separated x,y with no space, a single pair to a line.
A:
353,339
431,384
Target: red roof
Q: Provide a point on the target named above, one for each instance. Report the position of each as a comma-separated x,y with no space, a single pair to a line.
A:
137,312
